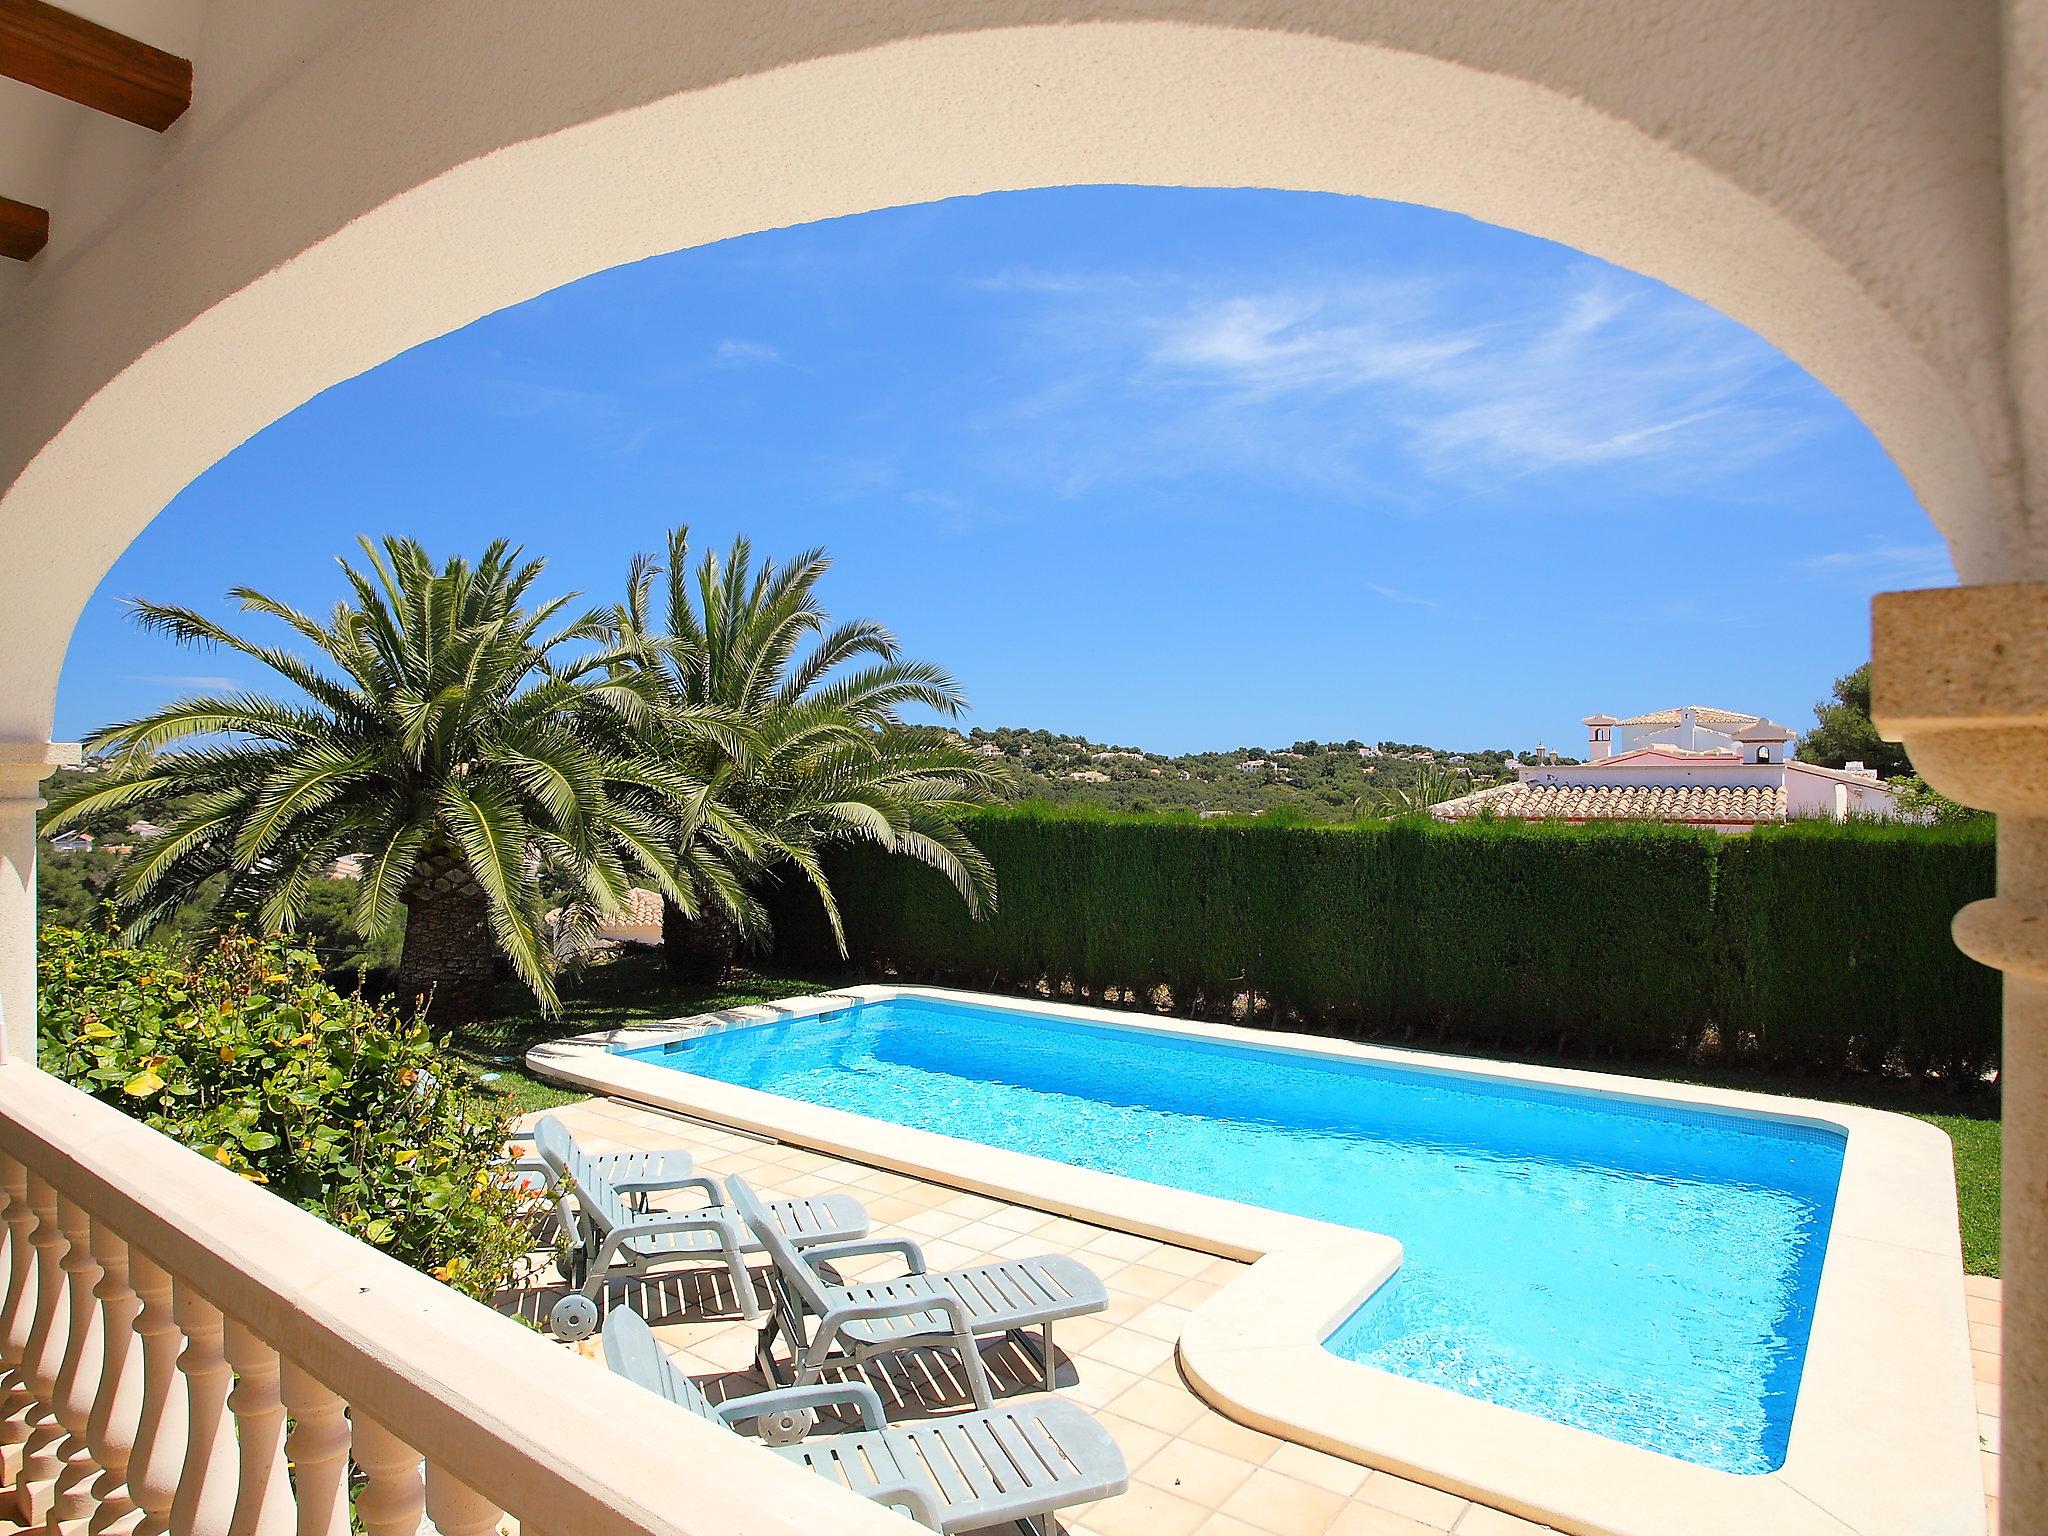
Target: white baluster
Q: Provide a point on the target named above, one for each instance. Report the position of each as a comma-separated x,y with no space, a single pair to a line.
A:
458,1509
78,1378
17,1316
117,1407
160,1436
393,1499
263,1492
205,1500
44,1357
317,1443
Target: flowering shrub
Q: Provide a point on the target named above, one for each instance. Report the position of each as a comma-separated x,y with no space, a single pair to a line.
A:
244,1054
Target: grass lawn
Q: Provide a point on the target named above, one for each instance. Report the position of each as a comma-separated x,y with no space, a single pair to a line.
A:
634,989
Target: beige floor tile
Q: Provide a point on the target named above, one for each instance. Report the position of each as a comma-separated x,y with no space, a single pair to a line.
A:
1138,1353
1069,1233
1983,1285
887,1210
1989,1398
1154,1403
1195,1472
1161,1321
1139,1442
1226,1525
1331,1472
1100,1384
973,1207
931,1223
1025,1245
1146,1512
944,1253
1231,1438
1431,1506
1184,1262
1989,1434
1284,1505
1986,1366
1191,1293
1143,1280
1371,1520
1127,1246
981,1235
1075,1332
1985,1309
1990,1475
1021,1218
1987,1338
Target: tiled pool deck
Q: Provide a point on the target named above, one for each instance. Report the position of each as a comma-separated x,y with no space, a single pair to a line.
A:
1193,1472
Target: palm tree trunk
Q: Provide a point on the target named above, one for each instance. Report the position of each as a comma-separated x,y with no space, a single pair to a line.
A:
448,961
697,950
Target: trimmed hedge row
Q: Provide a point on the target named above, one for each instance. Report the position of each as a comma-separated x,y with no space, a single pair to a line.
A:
1811,946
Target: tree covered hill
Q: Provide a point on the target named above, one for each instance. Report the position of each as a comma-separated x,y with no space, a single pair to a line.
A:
1321,781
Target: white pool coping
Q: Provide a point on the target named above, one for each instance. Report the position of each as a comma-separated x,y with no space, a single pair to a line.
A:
1884,1434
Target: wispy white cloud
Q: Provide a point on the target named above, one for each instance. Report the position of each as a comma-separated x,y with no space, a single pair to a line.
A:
1396,595
1918,563
1472,387
739,350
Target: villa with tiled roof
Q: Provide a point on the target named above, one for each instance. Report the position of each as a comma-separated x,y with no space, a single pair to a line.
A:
1703,767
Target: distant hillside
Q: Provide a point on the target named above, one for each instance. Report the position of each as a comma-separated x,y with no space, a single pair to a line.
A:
1322,781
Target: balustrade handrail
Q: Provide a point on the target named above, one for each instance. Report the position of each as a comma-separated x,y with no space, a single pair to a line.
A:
556,1440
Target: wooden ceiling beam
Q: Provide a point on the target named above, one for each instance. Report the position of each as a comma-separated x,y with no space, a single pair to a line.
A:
24,229
84,62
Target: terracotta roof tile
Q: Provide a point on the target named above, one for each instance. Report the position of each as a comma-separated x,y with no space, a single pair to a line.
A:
1701,712
1621,802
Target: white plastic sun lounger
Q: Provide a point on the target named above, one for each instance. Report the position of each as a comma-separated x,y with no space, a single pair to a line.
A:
830,1322
1019,1461
615,1242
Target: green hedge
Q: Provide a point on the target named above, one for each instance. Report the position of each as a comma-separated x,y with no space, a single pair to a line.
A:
1810,945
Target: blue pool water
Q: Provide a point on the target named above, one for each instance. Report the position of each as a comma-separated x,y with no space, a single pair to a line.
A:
1646,1272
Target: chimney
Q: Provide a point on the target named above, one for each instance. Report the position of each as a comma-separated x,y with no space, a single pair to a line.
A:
1600,741
1689,728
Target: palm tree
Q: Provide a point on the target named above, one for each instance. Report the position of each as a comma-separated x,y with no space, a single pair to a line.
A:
449,740
832,759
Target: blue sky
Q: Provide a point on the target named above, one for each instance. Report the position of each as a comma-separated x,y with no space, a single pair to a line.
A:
1183,469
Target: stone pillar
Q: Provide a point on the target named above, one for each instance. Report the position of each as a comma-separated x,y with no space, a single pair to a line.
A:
1961,676
23,766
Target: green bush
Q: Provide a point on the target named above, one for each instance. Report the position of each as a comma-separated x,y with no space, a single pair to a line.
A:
1810,946
246,1055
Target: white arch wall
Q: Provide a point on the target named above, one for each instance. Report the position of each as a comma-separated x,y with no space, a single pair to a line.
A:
1827,172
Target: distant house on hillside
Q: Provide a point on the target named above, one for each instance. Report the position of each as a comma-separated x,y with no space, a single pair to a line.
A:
1702,767
71,841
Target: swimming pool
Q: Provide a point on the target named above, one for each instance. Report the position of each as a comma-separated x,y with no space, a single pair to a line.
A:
1640,1270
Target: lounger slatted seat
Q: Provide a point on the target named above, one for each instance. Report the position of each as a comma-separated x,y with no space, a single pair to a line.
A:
1019,1461
830,1321
614,1241
635,1175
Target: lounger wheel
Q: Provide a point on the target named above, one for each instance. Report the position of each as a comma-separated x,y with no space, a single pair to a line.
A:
786,1426
574,1317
